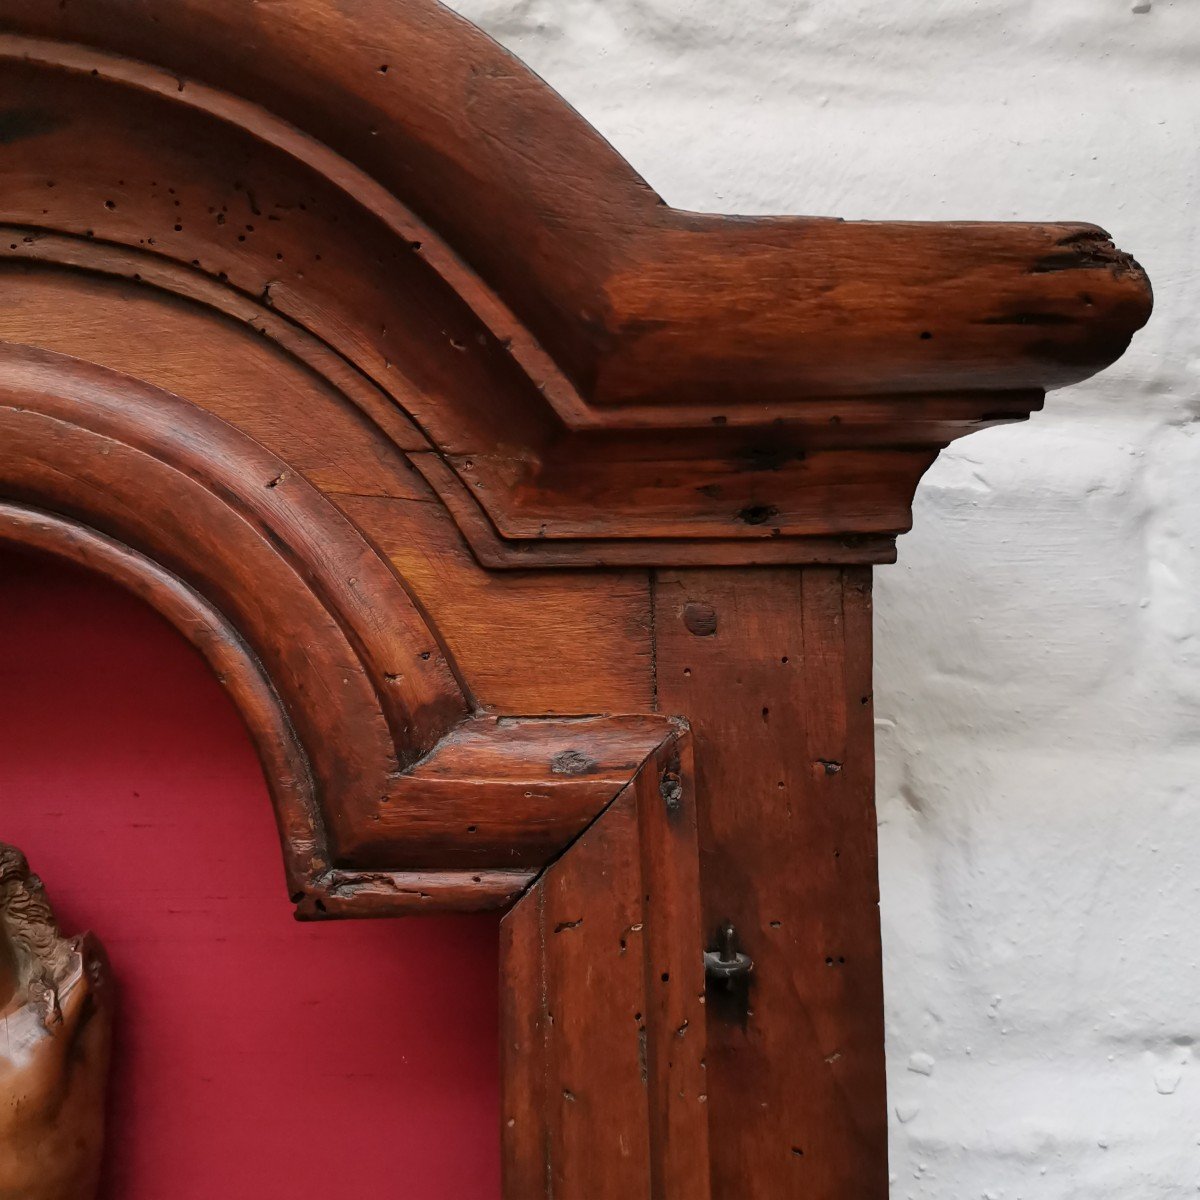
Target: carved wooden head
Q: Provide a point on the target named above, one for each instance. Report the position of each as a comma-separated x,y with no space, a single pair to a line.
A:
56,1010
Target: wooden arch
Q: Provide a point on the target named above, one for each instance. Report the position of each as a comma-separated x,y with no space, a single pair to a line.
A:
494,490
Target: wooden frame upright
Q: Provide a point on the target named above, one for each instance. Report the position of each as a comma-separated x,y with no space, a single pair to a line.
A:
529,523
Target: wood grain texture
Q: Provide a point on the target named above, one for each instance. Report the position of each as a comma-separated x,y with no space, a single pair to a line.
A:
465,829
636,301
602,1021
393,792
330,425
773,669
591,626
504,793
599,380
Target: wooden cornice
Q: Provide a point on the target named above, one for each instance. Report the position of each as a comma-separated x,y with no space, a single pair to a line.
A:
637,303
597,378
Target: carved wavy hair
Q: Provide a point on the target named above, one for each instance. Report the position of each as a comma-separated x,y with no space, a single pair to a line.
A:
39,951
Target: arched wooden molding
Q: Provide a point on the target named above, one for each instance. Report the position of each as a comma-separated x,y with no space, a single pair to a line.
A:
376,757
336,335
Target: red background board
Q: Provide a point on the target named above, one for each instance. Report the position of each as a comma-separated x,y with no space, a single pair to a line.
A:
257,1057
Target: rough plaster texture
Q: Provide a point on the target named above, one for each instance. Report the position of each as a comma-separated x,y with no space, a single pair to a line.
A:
1039,644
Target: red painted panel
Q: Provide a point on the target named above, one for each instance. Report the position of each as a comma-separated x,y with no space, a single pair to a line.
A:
258,1059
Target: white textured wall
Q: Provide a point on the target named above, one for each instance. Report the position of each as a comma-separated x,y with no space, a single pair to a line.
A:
1039,644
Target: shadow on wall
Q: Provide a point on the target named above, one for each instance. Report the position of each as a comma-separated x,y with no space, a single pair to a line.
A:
255,1056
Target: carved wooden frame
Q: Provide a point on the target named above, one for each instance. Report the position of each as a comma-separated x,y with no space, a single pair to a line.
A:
479,318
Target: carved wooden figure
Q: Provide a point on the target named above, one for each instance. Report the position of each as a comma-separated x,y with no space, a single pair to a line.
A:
528,521
56,1022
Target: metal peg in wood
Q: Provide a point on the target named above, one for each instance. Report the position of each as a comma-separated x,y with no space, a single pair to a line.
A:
726,964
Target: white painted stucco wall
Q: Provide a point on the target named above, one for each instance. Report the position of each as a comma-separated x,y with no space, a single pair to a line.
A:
1038,650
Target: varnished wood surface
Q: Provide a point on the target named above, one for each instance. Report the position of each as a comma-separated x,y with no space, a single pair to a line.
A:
661,387
635,301
505,792
305,405
393,791
602,1023
773,668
